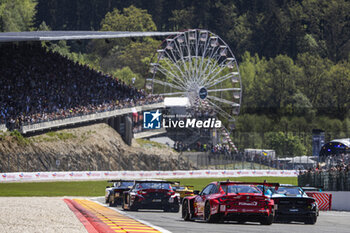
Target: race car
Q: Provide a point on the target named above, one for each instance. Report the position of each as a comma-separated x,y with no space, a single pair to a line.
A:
183,190
151,194
228,200
114,194
293,204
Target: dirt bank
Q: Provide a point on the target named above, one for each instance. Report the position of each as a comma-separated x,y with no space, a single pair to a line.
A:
94,147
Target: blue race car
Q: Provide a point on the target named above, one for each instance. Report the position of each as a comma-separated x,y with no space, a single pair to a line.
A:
293,204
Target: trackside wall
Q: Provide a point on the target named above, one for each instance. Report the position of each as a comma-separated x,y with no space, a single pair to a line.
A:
340,200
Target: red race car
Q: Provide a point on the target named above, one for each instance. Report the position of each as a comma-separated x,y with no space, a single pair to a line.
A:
151,194
236,201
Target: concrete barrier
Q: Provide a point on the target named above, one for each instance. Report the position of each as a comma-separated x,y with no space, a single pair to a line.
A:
340,200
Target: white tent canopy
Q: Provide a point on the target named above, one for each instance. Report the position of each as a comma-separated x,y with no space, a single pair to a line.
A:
176,102
301,159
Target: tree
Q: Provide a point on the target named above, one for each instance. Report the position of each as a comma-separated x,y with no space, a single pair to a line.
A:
268,84
328,23
125,74
299,105
339,83
116,54
131,19
313,80
183,18
285,144
17,15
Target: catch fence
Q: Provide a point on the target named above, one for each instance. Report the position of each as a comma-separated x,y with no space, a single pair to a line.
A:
326,180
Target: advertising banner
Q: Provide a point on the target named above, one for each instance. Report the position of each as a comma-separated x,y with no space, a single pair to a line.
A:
106,175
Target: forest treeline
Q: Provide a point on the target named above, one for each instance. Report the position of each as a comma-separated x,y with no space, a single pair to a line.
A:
268,28
294,56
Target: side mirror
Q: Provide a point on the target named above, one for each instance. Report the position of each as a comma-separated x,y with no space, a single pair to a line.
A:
196,192
107,187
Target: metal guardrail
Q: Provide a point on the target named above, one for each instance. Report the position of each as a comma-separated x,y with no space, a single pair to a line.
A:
3,128
86,118
328,181
149,133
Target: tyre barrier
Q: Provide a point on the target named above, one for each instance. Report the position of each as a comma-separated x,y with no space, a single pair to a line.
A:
323,200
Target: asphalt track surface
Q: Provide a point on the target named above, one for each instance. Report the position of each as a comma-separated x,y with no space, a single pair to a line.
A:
331,221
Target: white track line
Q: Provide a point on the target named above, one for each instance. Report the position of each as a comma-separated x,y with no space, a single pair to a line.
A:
128,215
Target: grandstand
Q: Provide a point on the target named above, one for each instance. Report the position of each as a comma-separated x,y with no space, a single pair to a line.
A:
42,90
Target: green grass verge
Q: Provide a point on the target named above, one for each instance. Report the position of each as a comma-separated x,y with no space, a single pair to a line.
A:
96,188
51,189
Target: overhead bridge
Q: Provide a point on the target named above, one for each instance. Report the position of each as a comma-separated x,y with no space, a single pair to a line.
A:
119,119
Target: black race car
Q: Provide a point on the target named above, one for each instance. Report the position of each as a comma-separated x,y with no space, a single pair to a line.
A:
152,194
292,204
114,194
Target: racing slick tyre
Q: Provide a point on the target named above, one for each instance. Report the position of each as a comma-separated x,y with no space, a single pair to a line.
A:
311,220
111,202
208,217
268,220
175,209
107,200
133,208
186,215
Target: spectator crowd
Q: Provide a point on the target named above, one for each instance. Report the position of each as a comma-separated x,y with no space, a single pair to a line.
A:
331,175
332,163
38,86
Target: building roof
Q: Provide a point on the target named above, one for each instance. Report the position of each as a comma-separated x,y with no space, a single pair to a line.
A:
73,35
336,146
345,141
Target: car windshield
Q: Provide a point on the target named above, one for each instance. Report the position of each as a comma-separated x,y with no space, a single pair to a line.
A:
288,191
153,186
240,189
179,188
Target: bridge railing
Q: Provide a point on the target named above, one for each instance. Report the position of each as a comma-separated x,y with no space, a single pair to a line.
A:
87,118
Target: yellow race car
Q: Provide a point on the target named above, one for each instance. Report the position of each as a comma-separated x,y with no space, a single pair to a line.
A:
183,190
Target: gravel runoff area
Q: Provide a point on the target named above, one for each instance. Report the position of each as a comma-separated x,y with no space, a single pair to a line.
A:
37,214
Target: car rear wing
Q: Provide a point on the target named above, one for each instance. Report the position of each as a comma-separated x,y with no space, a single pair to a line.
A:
263,184
154,181
112,181
250,183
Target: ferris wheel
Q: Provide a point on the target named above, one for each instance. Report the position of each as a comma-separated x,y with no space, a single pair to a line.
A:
199,65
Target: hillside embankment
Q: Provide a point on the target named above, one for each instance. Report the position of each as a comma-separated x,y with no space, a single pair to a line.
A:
93,147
